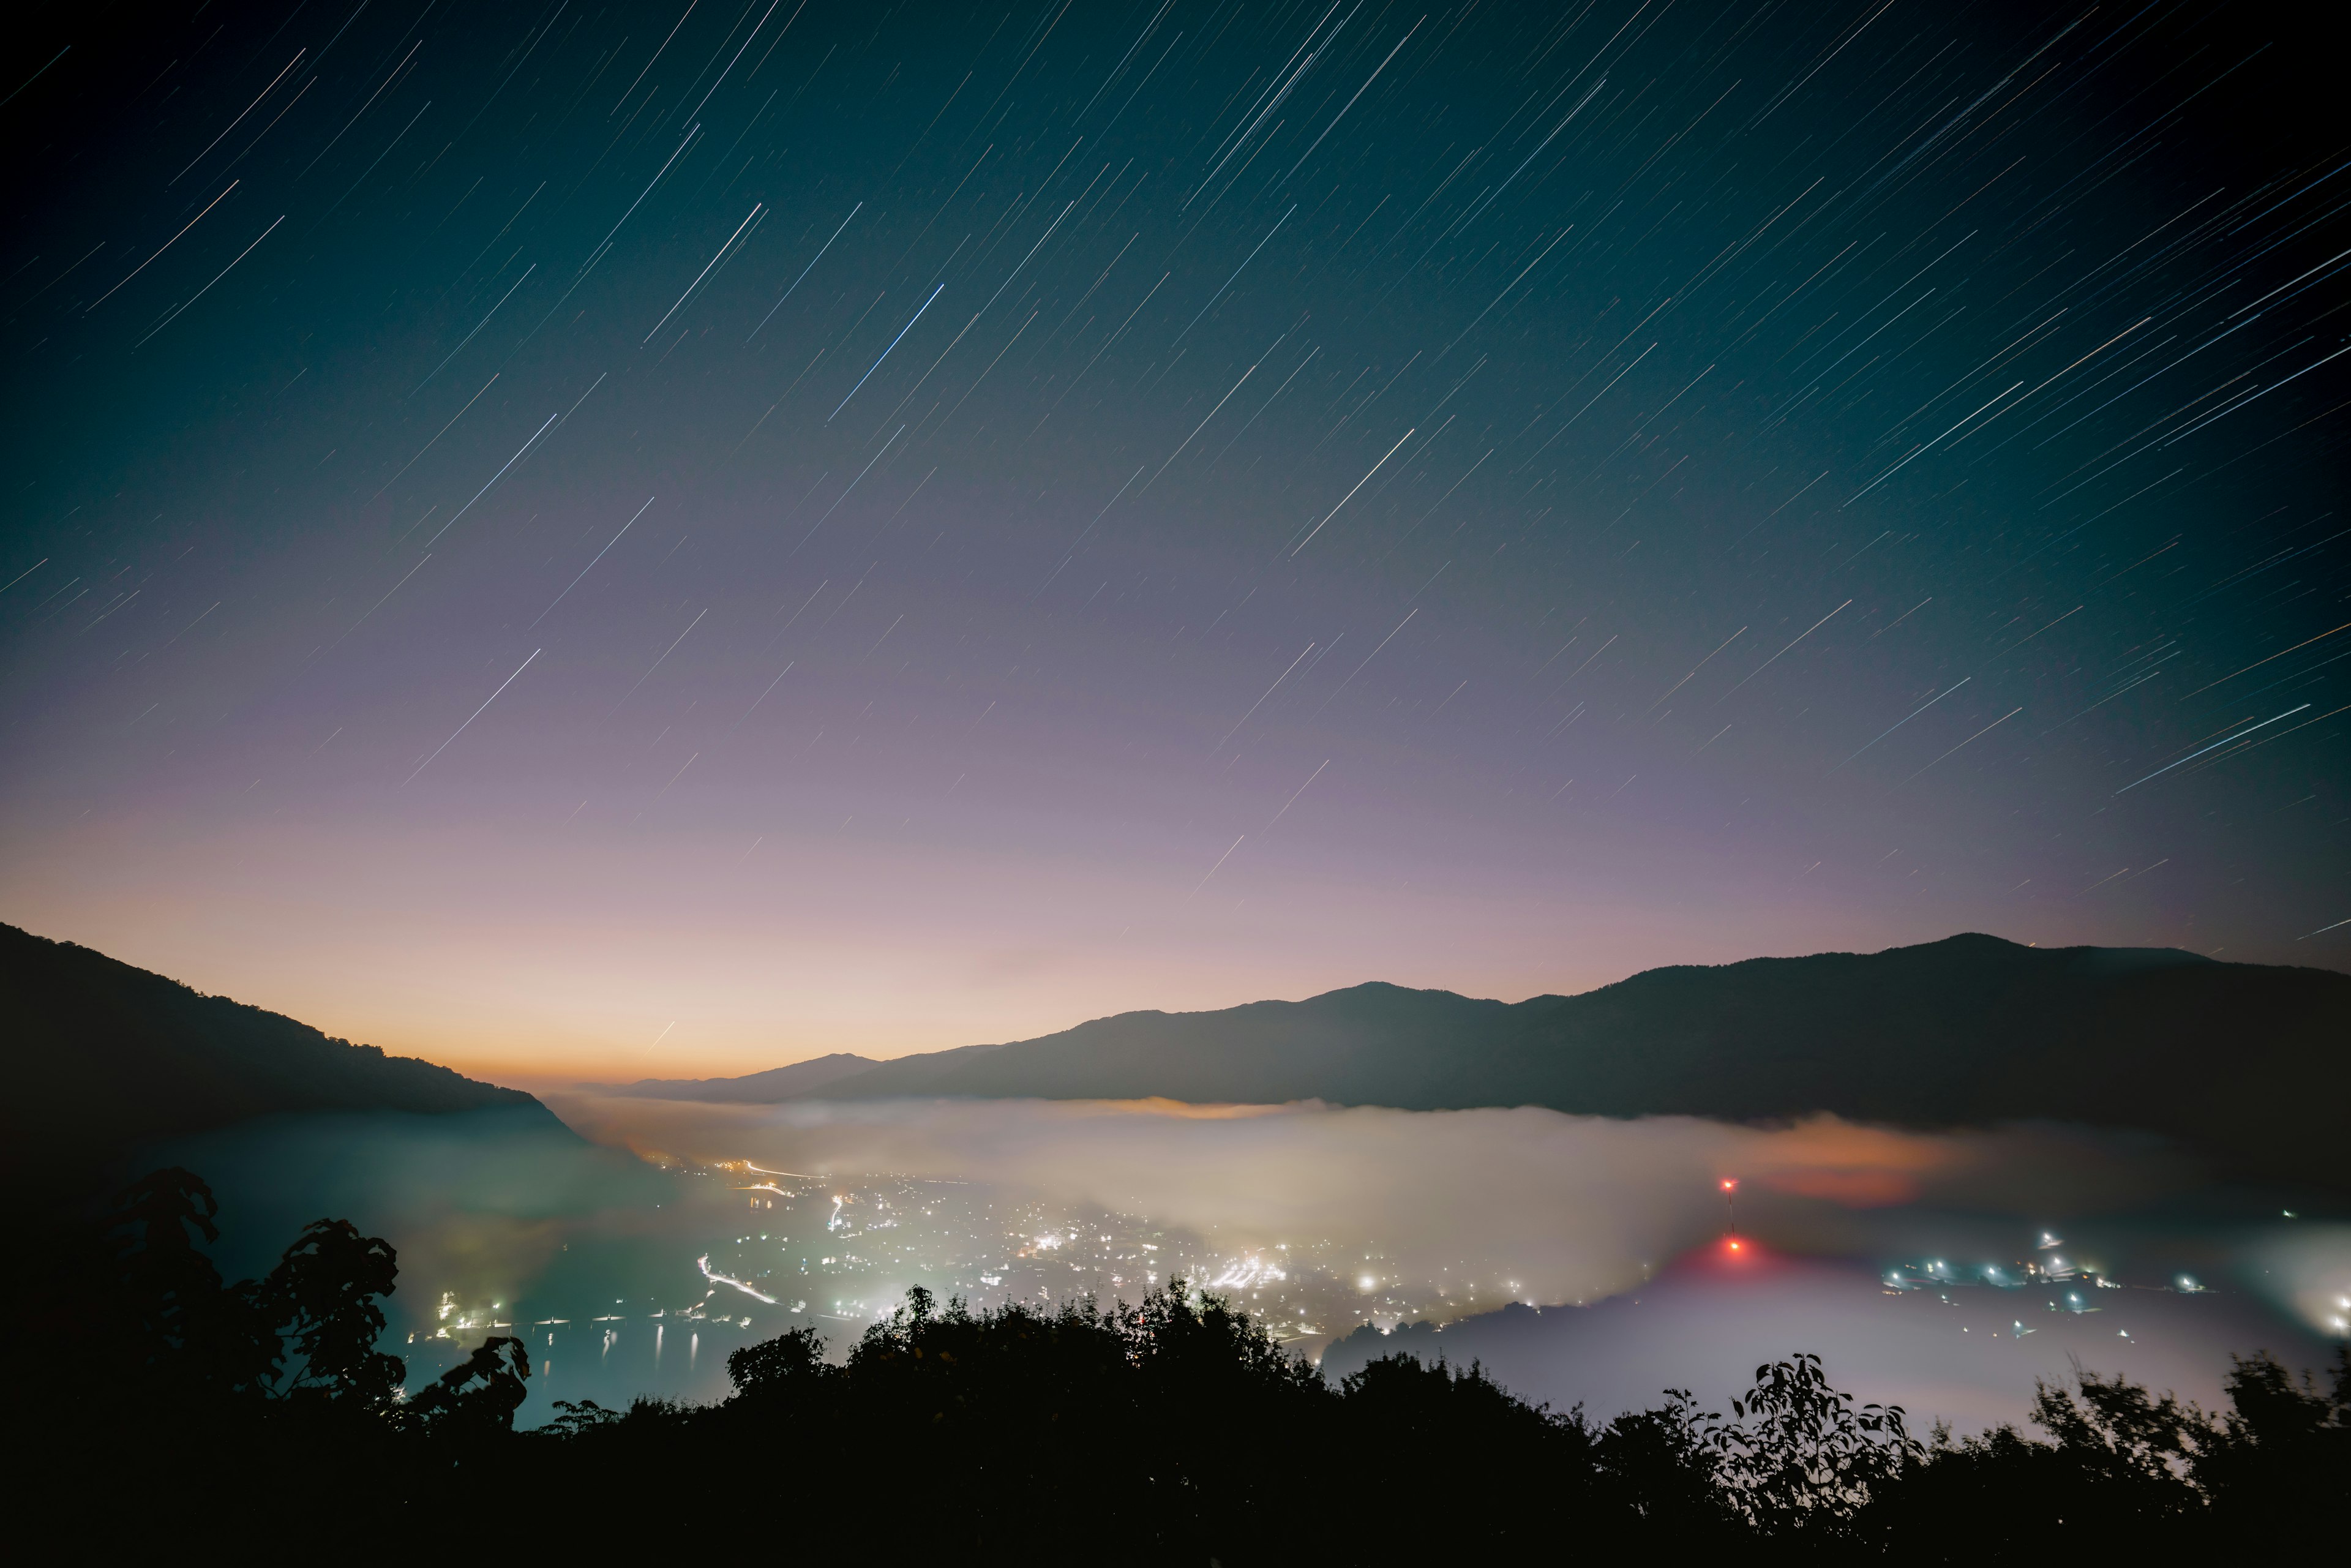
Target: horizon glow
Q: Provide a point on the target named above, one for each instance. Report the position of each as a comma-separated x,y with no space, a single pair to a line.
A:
880,534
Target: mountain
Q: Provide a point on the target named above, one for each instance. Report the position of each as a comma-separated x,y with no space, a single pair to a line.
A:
803,1079
797,1082
99,1058
2248,1063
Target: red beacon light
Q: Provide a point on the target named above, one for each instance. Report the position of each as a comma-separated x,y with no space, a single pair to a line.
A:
1732,1246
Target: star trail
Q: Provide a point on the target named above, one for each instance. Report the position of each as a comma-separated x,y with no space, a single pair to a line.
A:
682,537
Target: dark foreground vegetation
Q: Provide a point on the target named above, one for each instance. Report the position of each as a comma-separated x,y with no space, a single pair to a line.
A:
180,1412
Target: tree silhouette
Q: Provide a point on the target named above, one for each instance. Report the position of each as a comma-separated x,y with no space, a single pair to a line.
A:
478,1396
2133,1453
791,1362
2285,1440
1508,1471
2138,1470
1176,1427
574,1418
323,1295
1802,1456
182,1331
1658,1473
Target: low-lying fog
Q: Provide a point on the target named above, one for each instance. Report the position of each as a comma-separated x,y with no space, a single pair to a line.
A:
1944,1271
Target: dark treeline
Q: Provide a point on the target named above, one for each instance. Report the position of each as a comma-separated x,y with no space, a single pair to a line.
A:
174,1406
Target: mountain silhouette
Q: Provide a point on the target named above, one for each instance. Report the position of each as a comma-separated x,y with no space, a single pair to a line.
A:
100,1058
797,1082
2247,1065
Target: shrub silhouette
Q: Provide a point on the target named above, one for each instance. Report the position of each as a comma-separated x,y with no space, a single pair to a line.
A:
1174,1429
477,1398
322,1297
173,1325
1802,1458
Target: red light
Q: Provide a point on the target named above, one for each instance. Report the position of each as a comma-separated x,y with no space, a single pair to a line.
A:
1730,1186
1734,1247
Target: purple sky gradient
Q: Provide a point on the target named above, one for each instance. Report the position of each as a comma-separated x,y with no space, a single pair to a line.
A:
1523,528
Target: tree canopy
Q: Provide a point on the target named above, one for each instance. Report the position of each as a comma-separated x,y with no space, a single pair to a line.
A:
1171,1429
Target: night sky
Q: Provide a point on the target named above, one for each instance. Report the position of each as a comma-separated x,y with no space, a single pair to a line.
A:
588,539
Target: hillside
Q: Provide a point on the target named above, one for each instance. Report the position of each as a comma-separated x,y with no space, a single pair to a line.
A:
100,1058
797,1082
2248,1063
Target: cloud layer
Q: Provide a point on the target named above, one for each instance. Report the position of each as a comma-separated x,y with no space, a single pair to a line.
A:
1526,1203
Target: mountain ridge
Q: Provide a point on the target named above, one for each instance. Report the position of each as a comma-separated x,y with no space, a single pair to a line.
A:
1967,1031
771,1087
101,1057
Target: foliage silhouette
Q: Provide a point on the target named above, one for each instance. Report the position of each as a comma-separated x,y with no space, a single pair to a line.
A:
1801,1458
477,1397
174,1326
322,1296
776,1368
1174,1429
1487,1454
1658,1471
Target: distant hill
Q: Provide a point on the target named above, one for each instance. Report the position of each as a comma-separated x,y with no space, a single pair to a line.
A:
797,1082
2248,1064
97,1059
